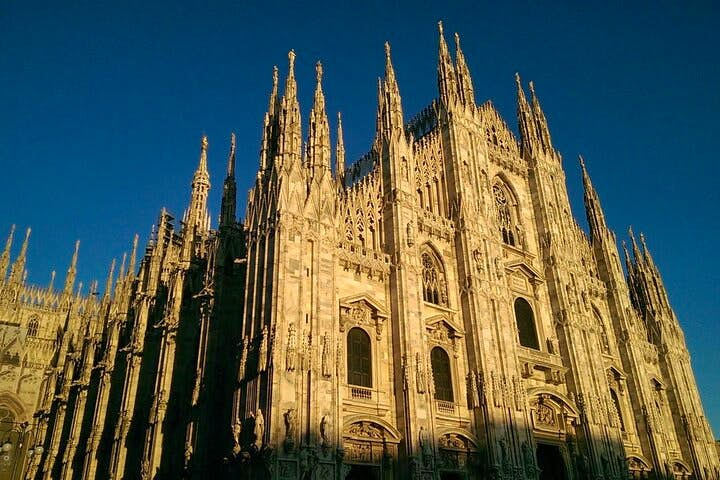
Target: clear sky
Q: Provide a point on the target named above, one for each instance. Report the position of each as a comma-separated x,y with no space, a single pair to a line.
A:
102,106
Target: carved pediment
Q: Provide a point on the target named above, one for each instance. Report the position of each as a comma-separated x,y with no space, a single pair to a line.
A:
362,310
440,329
522,270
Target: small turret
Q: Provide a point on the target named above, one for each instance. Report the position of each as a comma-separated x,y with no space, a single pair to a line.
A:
5,257
270,122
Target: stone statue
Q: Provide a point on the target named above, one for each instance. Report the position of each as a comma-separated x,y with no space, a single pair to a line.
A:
419,373
410,234
424,442
326,362
290,417
291,351
528,459
474,395
259,429
262,355
236,431
325,430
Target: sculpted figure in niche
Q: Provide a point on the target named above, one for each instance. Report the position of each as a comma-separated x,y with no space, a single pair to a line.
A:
291,351
262,356
259,429
325,430
424,442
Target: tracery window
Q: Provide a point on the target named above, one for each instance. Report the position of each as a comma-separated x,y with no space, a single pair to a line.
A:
433,277
506,220
359,366
33,328
525,319
442,377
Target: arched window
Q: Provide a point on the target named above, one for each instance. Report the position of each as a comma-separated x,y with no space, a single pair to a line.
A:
526,324
442,377
618,410
359,358
433,276
33,327
506,218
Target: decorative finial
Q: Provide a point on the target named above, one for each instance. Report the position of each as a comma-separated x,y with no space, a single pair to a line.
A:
582,162
204,143
275,74
457,41
517,80
440,27
387,50
532,88
318,71
291,61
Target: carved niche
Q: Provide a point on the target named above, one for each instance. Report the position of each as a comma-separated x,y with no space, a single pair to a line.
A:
362,311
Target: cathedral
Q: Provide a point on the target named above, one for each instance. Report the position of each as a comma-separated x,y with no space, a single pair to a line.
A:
431,311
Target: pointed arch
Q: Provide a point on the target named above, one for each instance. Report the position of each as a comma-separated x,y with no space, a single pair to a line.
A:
507,211
33,327
442,374
525,320
434,281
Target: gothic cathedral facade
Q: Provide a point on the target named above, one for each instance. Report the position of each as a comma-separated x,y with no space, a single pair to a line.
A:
431,311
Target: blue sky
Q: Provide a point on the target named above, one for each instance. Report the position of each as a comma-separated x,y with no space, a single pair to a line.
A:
102,106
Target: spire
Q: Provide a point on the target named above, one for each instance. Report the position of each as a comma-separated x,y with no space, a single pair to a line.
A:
201,174
18,268
108,283
340,152
318,144
636,250
543,131
229,198
390,114
526,123
197,212
273,104
593,209
72,271
133,254
5,257
51,285
446,71
465,86
269,147
289,134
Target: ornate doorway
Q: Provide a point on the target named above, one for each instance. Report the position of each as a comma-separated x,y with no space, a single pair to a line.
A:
550,462
363,472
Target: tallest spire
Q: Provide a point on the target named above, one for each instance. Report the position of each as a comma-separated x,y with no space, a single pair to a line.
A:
197,218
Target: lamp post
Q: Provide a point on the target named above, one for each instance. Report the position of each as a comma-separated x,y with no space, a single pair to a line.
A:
10,452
